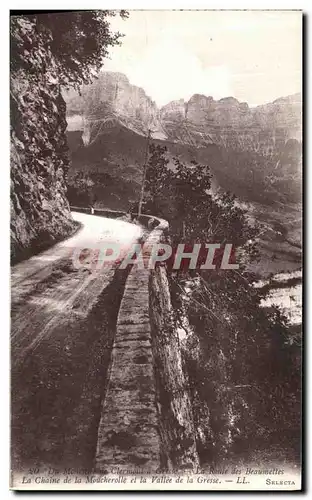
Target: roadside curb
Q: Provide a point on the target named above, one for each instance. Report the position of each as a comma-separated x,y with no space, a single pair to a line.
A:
128,432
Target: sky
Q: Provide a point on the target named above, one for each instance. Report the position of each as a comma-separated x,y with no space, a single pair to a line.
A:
254,56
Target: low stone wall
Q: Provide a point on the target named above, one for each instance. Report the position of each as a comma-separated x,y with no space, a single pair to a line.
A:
128,434
146,419
110,214
144,219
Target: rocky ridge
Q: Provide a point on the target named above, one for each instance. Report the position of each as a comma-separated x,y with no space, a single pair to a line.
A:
253,152
198,122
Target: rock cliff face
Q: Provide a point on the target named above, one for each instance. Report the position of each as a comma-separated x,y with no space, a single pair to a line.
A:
40,213
198,122
111,99
202,120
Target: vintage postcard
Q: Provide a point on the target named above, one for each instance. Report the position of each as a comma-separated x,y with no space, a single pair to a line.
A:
156,237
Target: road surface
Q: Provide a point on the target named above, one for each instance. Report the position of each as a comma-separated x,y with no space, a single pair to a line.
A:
62,329
48,285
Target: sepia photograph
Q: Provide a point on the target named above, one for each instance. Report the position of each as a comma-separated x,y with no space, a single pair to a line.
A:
156,250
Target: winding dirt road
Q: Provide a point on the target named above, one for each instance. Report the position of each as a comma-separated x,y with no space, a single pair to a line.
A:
62,326
47,286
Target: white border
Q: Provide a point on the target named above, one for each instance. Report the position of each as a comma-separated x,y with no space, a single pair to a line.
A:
305,5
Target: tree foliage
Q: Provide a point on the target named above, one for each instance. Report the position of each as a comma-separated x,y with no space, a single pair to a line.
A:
79,42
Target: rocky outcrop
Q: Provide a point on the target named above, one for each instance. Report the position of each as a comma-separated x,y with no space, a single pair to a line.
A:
40,213
108,101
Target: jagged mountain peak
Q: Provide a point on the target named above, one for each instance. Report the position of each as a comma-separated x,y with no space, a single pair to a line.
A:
108,124
198,121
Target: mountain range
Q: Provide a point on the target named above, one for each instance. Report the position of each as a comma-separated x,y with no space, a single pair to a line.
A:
253,151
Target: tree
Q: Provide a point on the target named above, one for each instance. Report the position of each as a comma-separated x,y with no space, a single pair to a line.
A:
182,194
79,41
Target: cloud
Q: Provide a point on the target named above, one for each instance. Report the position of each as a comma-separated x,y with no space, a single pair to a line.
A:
168,70
252,55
